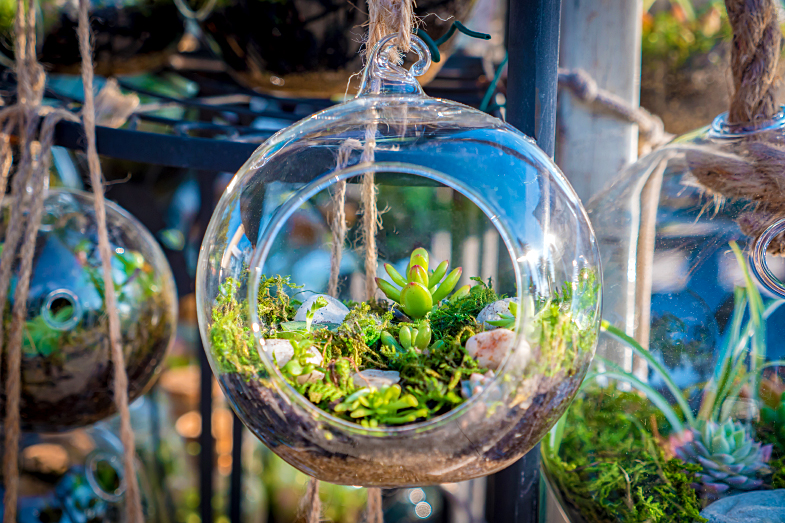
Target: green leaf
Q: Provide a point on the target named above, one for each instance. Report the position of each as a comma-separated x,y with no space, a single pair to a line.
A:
655,397
621,336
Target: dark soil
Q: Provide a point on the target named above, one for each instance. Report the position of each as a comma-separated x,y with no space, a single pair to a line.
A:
482,441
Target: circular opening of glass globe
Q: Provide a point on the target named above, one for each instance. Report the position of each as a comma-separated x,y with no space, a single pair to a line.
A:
419,209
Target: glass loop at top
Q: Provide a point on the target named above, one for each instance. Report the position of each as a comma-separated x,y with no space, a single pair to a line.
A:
382,76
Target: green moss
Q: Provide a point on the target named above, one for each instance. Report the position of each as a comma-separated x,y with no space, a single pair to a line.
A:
431,374
454,317
609,467
230,335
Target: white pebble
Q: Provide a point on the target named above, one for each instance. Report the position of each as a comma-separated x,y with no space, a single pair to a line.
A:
490,348
283,352
376,378
493,312
334,312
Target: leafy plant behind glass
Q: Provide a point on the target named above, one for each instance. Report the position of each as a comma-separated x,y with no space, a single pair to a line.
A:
740,363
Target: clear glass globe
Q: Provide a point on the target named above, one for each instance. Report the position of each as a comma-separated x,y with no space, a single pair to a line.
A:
67,372
75,476
413,387
685,395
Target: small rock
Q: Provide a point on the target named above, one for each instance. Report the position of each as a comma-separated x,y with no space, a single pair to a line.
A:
476,383
760,506
334,312
491,347
376,378
45,458
283,351
493,312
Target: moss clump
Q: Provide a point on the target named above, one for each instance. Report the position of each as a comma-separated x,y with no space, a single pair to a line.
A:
454,317
609,467
431,373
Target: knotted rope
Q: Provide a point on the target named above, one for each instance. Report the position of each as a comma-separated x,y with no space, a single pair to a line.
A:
29,193
584,87
753,168
24,220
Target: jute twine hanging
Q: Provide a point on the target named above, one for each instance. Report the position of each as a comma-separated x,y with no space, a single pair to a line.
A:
754,169
28,194
384,17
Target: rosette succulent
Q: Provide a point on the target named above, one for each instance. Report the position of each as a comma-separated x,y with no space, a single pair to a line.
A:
421,288
732,460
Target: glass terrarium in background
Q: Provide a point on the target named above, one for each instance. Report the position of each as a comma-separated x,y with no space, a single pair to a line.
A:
66,366
367,392
304,47
74,477
684,407
129,36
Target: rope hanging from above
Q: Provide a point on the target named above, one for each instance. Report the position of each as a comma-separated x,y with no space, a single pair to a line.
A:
133,500
384,17
754,169
28,196
754,58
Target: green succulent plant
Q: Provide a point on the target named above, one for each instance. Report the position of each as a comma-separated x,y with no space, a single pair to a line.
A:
732,460
421,288
417,337
507,321
385,405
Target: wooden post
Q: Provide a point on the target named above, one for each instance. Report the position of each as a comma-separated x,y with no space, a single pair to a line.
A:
603,37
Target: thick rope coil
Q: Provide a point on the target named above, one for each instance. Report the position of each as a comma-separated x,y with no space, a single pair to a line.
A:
754,58
752,169
132,497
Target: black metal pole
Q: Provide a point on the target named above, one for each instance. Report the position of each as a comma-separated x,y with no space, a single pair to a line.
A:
532,75
236,480
206,440
532,82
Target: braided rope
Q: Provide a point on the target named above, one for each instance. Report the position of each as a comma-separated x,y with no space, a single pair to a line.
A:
754,58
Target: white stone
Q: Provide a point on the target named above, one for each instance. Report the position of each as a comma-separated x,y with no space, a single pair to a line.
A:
376,378
283,352
491,347
334,312
493,312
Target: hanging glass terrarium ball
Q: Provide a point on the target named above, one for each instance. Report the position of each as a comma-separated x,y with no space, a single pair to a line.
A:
486,313
685,405
76,477
67,372
306,47
129,36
